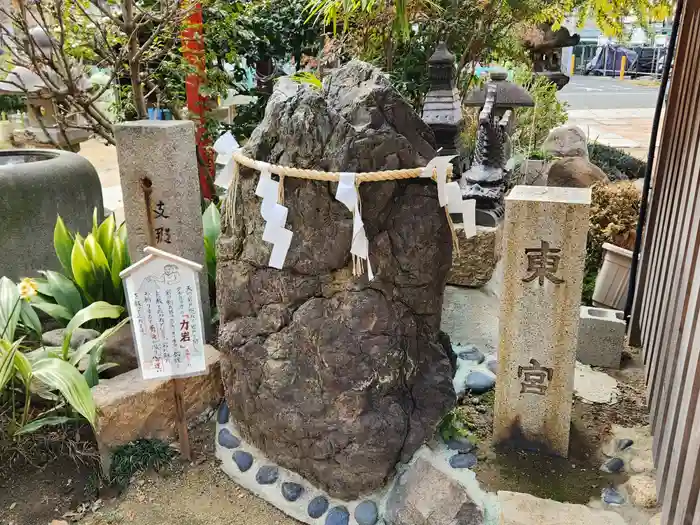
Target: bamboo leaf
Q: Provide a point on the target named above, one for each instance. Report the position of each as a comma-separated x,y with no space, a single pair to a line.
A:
9,308
63,245
7,363
88,347
44,422
60,375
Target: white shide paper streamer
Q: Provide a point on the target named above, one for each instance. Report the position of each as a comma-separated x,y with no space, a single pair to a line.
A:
347,194
275,216
450,194
225,146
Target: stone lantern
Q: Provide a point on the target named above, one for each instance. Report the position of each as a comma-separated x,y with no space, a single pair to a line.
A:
442,110
486,179
508,96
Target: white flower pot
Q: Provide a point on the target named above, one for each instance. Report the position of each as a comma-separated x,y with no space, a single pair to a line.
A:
613,278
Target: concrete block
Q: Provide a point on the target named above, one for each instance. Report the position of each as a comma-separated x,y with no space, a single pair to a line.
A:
601,337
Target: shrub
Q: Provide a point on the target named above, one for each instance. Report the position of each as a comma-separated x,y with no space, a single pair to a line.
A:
48,372
617,164
138,456
614,217
532,125
91,268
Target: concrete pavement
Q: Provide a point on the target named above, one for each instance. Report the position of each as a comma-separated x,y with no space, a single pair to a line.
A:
591,92
628,129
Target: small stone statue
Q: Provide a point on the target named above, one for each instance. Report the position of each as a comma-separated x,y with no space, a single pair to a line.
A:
486,180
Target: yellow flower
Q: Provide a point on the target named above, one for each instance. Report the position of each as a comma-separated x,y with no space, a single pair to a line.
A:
27,288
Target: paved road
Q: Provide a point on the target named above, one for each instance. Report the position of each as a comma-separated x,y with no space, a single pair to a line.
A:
590,92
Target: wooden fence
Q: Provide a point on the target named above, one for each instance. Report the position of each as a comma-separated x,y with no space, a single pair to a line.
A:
666,313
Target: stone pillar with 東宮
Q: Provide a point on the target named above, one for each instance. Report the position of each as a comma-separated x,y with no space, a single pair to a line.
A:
544,248
160,187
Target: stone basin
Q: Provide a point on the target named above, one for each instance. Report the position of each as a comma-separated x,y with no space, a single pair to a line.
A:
36,186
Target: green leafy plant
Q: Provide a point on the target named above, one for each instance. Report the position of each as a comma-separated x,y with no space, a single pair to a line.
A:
211,219
91,267
138,456
456,424
48,370
306,77
534,124
616,163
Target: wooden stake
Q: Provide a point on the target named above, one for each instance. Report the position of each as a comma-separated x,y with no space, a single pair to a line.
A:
181,420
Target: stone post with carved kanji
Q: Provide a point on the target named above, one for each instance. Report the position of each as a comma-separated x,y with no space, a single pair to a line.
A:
162,198
544,248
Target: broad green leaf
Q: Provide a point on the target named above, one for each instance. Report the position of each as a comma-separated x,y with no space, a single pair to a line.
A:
94,222
118,265
106,366
210,258
42,286
23,367
91,374
44,422
63,244
29,318
42,353
83,271
58,312
96,255
7,362
98,310
87,348
211,220
121,232
63,290
60,375
9,309
106,235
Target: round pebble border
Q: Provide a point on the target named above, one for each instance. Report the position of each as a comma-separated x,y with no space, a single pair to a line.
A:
338,516
292,491
283,489
267,475
317,507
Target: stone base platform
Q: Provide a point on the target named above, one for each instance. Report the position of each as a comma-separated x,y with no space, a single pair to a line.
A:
131,408
478,256
427,489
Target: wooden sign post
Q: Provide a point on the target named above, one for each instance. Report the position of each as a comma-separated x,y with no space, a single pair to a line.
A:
167,323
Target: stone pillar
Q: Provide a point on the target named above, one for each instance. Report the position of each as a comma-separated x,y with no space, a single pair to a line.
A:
160,186
544,250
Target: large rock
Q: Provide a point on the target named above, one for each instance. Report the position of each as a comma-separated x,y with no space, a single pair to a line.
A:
526,509
476,261
79,337
424,495
131,408
566,141
575,172
120,349
329,375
